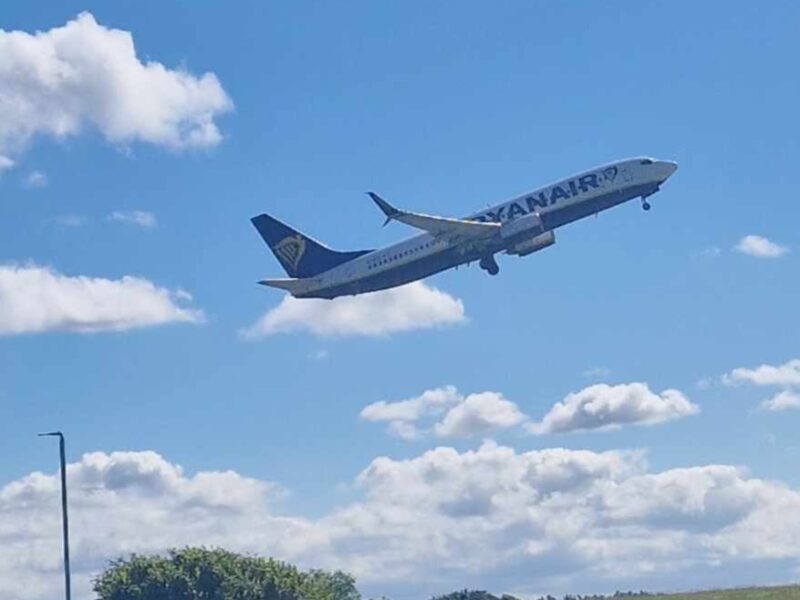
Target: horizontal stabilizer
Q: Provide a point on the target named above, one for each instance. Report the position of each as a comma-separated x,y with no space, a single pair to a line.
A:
293,286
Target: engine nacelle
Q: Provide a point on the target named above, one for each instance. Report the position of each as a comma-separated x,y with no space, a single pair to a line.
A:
526,226
533,244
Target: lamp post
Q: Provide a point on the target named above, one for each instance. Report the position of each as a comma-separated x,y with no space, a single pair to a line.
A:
64,515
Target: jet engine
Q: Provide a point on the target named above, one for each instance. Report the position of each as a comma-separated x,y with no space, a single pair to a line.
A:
533,244
526,235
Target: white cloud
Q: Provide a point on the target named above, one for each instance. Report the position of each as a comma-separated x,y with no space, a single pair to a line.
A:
36,299
430,402
461,416
603,406
320,355
406,308
405,431
447,413
710,252
704,383
760,247
35,179
125,502
784,400
557,517
552,519
787,374
479,414
84,75
597,372
139,218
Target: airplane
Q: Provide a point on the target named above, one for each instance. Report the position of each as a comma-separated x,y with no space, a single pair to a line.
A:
518,227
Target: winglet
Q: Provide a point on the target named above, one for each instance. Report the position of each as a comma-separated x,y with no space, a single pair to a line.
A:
390,211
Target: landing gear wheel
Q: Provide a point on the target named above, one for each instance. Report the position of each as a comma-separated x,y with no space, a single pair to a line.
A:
489,264
646,205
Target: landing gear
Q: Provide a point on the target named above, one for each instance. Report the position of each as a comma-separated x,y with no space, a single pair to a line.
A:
489,264
645,203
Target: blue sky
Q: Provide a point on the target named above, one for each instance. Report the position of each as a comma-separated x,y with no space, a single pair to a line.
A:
442,107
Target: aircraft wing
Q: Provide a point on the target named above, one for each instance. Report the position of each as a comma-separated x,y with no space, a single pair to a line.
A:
438,226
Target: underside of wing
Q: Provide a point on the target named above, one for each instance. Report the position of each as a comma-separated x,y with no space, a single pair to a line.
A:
438,226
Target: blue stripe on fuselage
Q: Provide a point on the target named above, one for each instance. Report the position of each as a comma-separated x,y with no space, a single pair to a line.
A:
454,256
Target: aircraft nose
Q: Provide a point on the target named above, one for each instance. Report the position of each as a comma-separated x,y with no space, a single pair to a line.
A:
667,168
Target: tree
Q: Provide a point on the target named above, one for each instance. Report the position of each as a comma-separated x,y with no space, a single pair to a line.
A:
467,595
206,574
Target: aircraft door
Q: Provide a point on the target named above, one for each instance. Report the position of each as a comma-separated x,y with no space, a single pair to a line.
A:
626,175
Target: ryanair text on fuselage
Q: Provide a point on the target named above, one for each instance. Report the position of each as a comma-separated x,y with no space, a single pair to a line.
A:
548,197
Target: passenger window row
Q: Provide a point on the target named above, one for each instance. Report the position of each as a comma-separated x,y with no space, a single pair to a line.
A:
399,255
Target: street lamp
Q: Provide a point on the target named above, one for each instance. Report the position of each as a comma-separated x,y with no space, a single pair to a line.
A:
64,516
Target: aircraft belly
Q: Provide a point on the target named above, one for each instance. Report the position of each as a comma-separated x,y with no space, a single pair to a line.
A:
400,275
562,216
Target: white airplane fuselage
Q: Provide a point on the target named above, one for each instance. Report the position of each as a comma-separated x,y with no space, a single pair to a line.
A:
527,224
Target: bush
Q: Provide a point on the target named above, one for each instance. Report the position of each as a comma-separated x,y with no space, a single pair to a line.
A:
204,574
471,595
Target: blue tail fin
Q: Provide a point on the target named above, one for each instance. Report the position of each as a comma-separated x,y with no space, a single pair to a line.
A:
299,255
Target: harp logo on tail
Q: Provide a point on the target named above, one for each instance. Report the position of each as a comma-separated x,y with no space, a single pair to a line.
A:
290,250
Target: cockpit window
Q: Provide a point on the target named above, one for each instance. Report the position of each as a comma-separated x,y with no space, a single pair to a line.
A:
646,161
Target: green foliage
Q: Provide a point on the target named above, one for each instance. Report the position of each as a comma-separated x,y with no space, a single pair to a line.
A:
470,595
770,593
203,574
